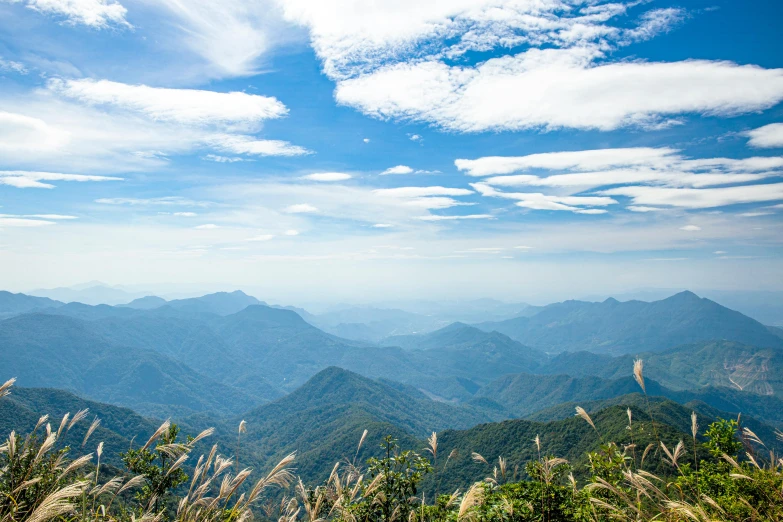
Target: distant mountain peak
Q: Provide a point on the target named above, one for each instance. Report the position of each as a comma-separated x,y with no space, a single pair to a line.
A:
684,296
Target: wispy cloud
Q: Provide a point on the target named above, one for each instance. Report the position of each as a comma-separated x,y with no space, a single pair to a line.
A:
223,159
539,201
162,201
30,179
12,66
455,218
417,192
24,222
241,144
699,198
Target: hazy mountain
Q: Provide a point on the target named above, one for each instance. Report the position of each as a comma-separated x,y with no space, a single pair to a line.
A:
633,326
14,304
372,324
264,350
764,306
92,293
149,302
468,311
220,303
469,352
62,352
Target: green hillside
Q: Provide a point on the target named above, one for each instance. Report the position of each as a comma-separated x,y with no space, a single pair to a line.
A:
727,364
22,409
525,394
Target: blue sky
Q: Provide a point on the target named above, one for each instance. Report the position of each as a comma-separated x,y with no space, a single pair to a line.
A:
520,149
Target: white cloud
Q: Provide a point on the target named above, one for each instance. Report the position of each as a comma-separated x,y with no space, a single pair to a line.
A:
455,218
292,232
162,201
699,198
262,237
768,136
23,222
231,35
327,176
634,208
418,192
366,140
189,106
433,203
539,201
53,217
30,179
98,14
207,226
222,159
12,66
185,214
415,137
563,89
24,133
691,228
300,208
404,169
641,170
382,225
241,144
587,180
399,169
756,214
390,60
580,160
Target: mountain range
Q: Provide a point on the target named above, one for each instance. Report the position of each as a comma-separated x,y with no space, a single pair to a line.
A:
221,358
616,327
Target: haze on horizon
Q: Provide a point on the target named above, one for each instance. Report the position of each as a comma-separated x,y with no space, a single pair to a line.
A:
316,152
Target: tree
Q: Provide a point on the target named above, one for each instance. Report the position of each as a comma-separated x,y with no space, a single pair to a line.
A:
160,467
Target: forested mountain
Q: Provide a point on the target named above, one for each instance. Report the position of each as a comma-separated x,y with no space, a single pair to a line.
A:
63,352
14,304
715,363
525,395
633,326
570,438
200,355
22,410
265,351
324,419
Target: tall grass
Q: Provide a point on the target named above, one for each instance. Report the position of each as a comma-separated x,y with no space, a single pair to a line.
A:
40,482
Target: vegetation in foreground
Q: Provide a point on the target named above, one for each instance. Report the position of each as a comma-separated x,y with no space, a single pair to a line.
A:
724,474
